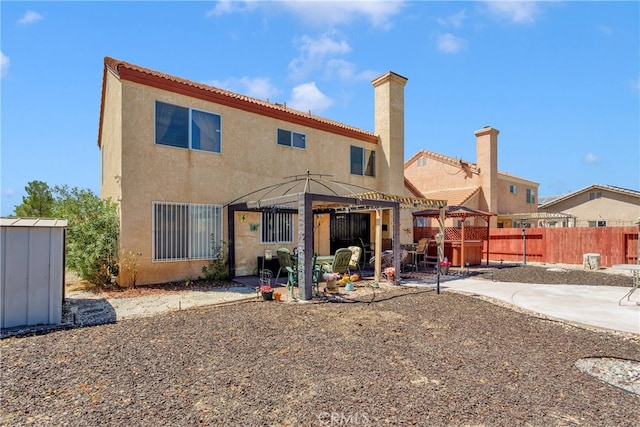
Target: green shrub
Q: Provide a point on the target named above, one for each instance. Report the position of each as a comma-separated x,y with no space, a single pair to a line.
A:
92,233
217,270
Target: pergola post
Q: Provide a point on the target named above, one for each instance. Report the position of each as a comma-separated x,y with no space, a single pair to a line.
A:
378,245
462,254
305,246
487,219
397,262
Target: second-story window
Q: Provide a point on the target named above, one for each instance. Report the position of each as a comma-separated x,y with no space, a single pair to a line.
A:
363,161
187,128
292,139
513,189
531,196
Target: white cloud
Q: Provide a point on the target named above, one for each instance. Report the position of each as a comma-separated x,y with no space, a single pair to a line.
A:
345,70
453,20
225,7
314,54
30,17
257,87
307,97
9,192
448,43
516,11
4,65
591,158
319,13
323,13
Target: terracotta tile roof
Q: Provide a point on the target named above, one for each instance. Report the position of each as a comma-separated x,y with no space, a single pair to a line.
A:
454,196
135,73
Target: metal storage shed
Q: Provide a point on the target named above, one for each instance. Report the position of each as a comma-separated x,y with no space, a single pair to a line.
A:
31,271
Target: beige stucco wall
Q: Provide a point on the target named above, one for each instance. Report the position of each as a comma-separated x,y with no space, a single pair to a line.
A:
439,175
250,160
515,203
111,140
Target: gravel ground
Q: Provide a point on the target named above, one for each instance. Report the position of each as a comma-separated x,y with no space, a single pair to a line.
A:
557,275
411,357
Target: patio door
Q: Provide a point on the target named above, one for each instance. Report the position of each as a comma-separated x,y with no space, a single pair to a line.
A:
348,228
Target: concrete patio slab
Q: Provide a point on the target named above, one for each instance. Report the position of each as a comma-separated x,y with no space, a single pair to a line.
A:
598,306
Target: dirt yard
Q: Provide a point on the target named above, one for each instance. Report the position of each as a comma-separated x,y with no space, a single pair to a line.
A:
411,357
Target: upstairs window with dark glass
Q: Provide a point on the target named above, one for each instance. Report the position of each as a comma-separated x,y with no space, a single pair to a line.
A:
292,139
187,128
363,161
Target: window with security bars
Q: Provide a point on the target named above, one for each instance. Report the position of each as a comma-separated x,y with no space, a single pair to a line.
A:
186,231
277,227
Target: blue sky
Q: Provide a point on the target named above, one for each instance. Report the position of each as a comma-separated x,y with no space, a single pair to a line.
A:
560,80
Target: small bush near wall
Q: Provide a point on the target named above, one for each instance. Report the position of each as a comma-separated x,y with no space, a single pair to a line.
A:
217,269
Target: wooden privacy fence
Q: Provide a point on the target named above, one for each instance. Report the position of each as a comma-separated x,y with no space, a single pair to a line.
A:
616,245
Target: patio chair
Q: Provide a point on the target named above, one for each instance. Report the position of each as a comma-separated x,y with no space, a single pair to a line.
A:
366,250
292,277
355,259
284,259
341,260
421,251
429,261
386,258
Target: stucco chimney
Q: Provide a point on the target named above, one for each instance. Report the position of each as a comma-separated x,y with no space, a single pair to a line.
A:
487,160
389,126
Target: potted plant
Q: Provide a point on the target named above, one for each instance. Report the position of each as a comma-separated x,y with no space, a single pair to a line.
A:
331,279
444,267
390,272
267,292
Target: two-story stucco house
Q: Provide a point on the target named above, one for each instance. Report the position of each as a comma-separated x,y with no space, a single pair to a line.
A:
175,154
479,186
593,206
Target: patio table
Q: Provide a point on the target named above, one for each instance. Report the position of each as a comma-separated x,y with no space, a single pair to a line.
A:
324,259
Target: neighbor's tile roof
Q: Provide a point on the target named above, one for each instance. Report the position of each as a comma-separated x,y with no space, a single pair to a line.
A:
454,196
612,188
135,73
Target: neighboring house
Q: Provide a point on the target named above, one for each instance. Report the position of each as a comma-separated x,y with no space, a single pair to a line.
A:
174,153
479,186
593,206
